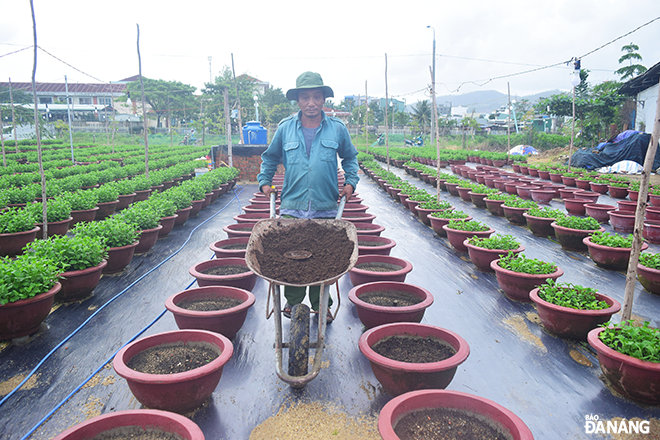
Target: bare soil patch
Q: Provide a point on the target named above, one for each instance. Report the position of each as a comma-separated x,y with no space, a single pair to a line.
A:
173,358
447,424
414,349
390,298
210,304
229,269
136,433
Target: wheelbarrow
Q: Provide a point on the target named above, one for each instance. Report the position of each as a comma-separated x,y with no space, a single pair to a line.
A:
298,374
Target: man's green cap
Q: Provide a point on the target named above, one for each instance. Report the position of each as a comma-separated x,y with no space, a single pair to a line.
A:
309,80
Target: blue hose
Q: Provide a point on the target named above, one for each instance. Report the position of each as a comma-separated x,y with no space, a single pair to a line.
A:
34,370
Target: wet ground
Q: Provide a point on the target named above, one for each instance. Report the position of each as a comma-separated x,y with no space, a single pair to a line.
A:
551,383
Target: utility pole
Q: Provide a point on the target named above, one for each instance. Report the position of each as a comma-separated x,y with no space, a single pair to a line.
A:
68,113
434,114
144,109
366,117
435,122
508,123
210,72
228,128
238,101
13,115
387,137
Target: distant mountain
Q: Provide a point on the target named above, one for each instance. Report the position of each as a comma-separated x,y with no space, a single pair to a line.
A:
486,101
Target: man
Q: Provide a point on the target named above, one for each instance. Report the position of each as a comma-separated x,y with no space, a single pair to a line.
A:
307,144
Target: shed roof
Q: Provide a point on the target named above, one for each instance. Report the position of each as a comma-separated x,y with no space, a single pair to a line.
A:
642,82
73,88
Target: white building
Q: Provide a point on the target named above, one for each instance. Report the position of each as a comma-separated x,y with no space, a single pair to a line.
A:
645,90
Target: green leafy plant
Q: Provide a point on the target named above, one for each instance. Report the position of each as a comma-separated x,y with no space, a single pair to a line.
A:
497,241
640,342
571,296
612,240
141,217
179,197
517,202
107,193
113,231
520,263
26,277
433,204
449,214
16,220
619,184
81,200
650,260
125,186
141,183
574,222
162,204
544,212
56,210
70,253
471,225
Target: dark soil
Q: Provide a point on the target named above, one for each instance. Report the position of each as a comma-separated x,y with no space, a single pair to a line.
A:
173,358
370,243
379,267
390,298
330,249
244,228
231,247
447,424
136,433
414,349
210,304
229,269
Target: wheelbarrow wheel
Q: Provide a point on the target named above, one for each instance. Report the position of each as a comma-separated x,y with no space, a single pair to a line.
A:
299,340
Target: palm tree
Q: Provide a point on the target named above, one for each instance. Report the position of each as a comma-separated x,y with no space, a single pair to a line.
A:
422,113
631,69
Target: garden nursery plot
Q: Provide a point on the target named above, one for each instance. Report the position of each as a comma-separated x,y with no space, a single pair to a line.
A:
554,385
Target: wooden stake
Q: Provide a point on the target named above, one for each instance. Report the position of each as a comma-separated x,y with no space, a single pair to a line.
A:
13,114
631,275
238,101
2,141
228,128
366,117
44,203
508,127
387,138
144,109
570,150
434,115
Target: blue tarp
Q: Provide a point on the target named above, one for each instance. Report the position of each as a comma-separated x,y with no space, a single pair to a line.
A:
631,148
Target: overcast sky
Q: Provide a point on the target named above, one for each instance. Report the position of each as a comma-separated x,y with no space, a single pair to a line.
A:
477,42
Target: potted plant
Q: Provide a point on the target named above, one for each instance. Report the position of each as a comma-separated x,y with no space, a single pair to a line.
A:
540,219
166,209
494,203
618,190
571,311
431,357
230,247
232,272
611,251
183,202
108,197
120,238
629,358
126,188
142,188
442,218
570,230
517,275
622,221
370,268
648,271
599,211
515,207
196,191
80,260
483,250
83,206
374,244
58,215
460,230
17,229
145,220
431,206
29,285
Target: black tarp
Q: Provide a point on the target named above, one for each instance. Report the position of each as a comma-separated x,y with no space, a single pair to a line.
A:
632,148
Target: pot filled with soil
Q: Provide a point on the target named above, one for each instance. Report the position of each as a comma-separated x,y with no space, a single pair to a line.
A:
517,275
236,230
361,217
575,206
168,224
410,356
571,230
458,231
219,309
174,371
384,302
134,424
232,272
539,220
368,229
610,251
430,414
148,239
599,211
374,245
182,216
230,247
251,217
622,221
370,268
484,250
442,218
648,272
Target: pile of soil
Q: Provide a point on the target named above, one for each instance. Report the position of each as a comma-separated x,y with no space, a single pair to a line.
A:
228,269
414,349
390,298
447,424
210,304
173,358
329,245
378,267
136,433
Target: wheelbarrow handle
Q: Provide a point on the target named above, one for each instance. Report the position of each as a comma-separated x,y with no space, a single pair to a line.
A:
273,195
340,209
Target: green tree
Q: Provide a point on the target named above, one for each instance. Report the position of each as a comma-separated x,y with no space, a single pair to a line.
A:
273,106
164,97
631,69
19,96
215,91
422,113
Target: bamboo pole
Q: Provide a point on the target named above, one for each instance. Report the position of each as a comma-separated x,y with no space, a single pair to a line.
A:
238,102
2,140
387,137
508,127
434,115
228,128
44,200
144,108
169,121
13,113
570,150
631,274
68,113
366,117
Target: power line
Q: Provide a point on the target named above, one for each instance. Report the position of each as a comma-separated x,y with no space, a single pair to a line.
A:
16,51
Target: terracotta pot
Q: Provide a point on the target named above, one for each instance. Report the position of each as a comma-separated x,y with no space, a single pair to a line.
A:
545,175
227,322
566,322
627,206
652,213
438,223
375,245
56,228
654,200
168,224
358,217
583,184
477,199
142,195
575,206
649,278
209,196
540,226
555,177
592,196
457,237
368,228
119,258
515,215
599,187
633,378
182,216
651,231
360,276
622,221
245,280
239,230
124,201
79,284
179,392
543,196
398,377
147,240
482,257
517,285
617,192
82,215
571,239
106,209
251,218
568,193
372,315
13,244
219,247
24,317
495,207
499,416
609,257
196,208
599,211
145,418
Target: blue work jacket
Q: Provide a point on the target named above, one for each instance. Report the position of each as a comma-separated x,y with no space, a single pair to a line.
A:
315,178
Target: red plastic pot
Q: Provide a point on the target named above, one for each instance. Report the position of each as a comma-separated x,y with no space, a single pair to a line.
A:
651,231
251,217
592,196
612,258
618,192
649,278
245,280
182,216
652,213
515,215
482,257
358,217
495,207
627,205
196,207
168,224
179,392
148,238
477,199
517,285
13,244
119,257
575,206
372,315
239,230
145,418
219,247
57,228
457,237
375,245
398,377
633,378
125,201
360,276
568,193
79,284
572,323
227,322
24,317
543,196
498,415
571,239
368,228
540,226
599,187
599,211
106,209
437,224
142,195
83,215
622,221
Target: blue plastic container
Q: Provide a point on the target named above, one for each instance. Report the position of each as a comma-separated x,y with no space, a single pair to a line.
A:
255,134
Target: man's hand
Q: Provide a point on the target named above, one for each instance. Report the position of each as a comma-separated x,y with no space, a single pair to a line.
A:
347,191
267,189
